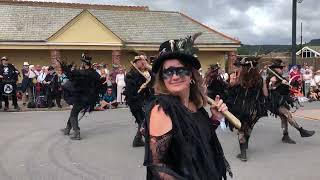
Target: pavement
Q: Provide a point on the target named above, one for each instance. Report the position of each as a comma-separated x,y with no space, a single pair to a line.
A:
32,148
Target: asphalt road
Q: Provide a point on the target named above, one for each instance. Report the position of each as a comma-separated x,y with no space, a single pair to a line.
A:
32,148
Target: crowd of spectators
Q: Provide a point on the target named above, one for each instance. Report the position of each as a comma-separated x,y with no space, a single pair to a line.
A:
305,81
42,86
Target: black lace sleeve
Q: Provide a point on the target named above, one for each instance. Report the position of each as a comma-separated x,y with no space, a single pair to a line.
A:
159,146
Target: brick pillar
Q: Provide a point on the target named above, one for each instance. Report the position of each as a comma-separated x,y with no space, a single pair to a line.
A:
55,55
116,57
232,57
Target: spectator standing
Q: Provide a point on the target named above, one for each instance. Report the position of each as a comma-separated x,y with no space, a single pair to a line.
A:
317,78
295,74
307,78
25,82
43,74
9,78
112,75
38,70
51,87
120,85
105,66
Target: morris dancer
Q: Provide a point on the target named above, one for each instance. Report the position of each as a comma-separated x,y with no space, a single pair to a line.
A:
137,91
246,100
280,101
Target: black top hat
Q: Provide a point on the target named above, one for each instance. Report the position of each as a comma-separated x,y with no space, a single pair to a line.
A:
181,49
86,59
214,67
277,63
248,61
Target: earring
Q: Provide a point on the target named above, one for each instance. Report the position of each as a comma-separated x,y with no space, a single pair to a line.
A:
192,81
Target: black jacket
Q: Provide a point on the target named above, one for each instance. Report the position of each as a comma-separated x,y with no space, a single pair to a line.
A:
82,88
9,73
134,80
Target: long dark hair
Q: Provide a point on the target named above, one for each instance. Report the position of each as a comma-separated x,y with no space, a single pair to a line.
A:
211,75
249,76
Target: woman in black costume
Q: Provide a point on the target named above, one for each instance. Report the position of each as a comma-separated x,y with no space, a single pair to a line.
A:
246,100
181,142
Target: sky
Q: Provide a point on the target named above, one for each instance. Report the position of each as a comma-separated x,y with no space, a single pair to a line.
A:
250,21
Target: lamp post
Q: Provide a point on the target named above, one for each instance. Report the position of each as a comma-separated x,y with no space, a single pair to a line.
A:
294,31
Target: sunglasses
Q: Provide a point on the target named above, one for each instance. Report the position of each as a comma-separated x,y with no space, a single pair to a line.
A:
178,71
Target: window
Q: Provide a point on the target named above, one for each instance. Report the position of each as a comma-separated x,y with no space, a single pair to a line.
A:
308,54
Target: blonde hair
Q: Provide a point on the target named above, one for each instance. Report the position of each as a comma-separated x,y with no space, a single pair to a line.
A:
197,89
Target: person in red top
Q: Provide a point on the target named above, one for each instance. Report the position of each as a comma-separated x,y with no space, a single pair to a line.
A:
295,74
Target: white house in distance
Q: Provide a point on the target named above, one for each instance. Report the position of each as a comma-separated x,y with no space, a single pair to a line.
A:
309,52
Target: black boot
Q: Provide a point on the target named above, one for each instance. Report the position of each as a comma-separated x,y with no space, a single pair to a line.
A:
243,154
76,135
305,133
65,131
247,142
17,107
286,139
137,141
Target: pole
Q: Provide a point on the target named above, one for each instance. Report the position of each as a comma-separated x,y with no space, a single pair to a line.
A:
301,42
294,33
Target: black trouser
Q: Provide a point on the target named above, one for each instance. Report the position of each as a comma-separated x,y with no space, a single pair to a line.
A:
6,98
73,119
14,100
51,95
1,89
138,114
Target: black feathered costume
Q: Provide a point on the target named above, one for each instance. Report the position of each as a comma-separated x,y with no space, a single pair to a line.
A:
248,104
81,91
191,149
280,102
215,84
136,100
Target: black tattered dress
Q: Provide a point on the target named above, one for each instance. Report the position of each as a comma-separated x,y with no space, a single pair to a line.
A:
190,151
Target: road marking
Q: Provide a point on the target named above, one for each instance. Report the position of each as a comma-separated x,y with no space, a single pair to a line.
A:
308,118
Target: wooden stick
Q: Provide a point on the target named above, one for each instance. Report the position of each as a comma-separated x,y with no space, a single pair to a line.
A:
277,75
232,119
144,85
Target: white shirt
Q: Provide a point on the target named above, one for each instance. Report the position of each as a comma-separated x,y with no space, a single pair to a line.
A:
41,77
120,80
317,79
31,74
307,77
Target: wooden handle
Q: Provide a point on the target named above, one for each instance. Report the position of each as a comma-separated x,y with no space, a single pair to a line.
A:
279,77
231,118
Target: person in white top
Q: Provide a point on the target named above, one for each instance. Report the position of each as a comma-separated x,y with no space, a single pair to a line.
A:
43,74
317,78
307,77
120,85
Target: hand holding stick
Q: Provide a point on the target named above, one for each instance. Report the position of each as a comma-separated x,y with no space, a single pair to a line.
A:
232,119
279,77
